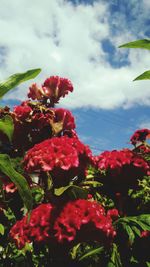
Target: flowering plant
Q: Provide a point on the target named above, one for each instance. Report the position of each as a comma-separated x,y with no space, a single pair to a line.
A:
59,204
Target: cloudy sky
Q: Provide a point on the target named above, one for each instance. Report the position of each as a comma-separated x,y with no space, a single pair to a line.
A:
79,40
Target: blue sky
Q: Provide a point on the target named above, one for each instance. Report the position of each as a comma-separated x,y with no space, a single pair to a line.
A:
79,40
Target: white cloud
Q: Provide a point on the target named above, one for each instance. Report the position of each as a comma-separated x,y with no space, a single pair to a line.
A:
65,40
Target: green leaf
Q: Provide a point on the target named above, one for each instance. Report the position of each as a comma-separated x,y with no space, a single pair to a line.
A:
136,230
130,232
148,264
17,179
91,252
73,191
143,76
143,225
2,229
115,260
91,183
15,79
144,218
145,44
7,126
59,191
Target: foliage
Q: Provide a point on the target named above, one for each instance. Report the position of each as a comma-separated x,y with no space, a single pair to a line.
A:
59,204
144,44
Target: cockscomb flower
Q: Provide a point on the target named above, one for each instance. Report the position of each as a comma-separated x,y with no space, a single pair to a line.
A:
66,117
53,89
82,220
123,168
35,92
140,136
117,159
64,157
113,214
22,112
36,229
56,87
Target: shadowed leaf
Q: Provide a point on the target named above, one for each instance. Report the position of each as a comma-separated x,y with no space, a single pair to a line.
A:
7,126
17,179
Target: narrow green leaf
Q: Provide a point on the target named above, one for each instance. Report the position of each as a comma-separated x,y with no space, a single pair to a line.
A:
136,230
115,260
73,191
144,76
129,232
15,79
140,223
59,191
92,183
2,229
145,44
17,179
144,218
148,264
7,126
91,252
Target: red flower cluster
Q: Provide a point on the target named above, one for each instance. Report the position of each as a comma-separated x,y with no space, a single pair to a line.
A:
34,123
123,168
82,220
116,159
53,88
65,117
38,229
22,112
140,136
62,156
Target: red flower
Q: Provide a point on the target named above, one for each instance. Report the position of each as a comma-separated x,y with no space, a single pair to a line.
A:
53,88
62,156
65,116
116,160
22,112
35,92
113,214
82,220
123,168
56,87
38,229
145,233
140,136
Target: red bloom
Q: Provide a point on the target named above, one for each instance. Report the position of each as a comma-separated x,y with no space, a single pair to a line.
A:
113,214
140,136
35,92
63,156
145,233
22,112
56,87
83,220
123,168
53,88
66,118
115,160
38,229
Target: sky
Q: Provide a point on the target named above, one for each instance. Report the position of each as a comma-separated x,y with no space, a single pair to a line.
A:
79,40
